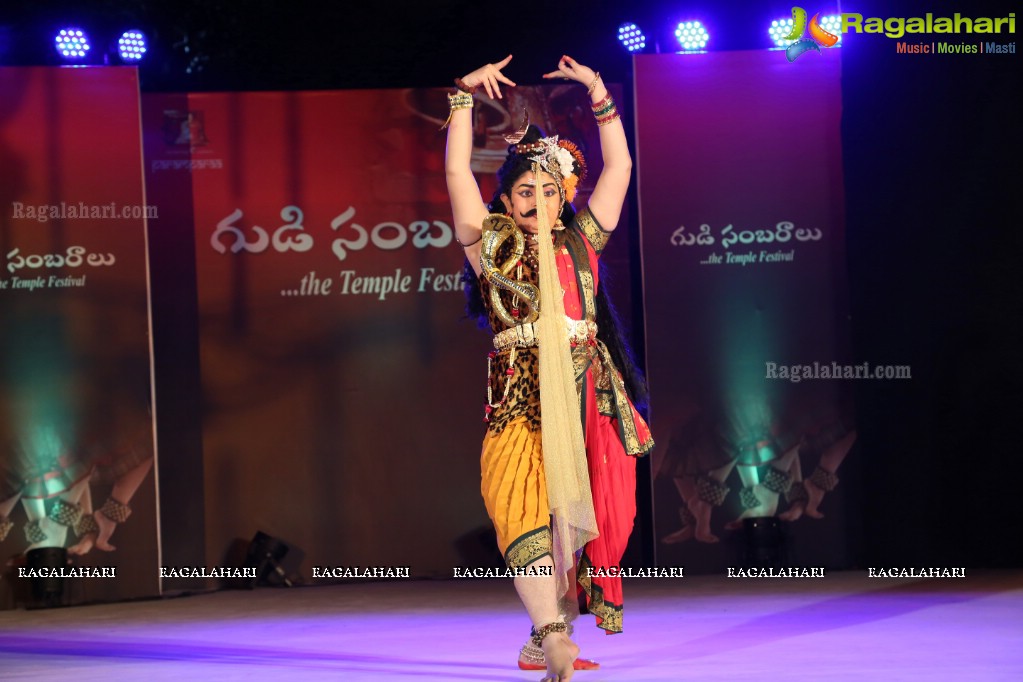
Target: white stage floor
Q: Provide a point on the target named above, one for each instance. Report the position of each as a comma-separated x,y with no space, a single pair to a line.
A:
845,626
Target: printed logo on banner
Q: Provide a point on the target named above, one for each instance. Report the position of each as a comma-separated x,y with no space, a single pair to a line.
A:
184,132
385,236
827,32
751,245
807,36
184,129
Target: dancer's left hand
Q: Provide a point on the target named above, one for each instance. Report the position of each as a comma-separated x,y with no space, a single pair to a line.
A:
572,70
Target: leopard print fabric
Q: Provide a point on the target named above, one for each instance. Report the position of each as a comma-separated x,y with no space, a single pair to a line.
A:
524,393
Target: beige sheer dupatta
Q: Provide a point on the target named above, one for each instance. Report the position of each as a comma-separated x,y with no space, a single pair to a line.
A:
564,450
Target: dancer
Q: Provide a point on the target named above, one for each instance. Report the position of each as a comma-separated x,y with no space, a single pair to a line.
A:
561,491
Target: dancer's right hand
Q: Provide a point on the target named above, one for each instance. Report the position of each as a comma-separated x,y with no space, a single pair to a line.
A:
489,76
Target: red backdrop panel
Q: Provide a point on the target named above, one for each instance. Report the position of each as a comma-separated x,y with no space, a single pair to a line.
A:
75,408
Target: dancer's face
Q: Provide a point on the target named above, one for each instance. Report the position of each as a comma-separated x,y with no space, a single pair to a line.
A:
521,203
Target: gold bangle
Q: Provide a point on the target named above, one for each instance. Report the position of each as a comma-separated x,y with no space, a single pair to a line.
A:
593,85
460,100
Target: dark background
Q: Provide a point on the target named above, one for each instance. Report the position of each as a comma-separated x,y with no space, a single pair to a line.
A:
931,154
274,45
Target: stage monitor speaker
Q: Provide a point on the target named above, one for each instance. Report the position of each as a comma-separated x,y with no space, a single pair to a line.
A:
264,555
765,543
47,590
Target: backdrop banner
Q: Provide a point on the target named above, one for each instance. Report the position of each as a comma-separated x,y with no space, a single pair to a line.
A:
343,388
76,415
740,179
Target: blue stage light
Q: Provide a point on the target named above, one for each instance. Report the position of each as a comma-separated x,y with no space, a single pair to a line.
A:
132,46
779,30
631,37
72,44
692,36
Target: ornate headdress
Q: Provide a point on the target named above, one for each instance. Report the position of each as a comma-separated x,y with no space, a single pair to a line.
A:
560,158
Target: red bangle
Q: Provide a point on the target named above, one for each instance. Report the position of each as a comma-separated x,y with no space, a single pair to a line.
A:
597,106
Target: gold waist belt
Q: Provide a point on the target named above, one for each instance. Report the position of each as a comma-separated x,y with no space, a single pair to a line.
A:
524,335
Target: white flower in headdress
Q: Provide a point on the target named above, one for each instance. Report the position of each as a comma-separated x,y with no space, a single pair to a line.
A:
553,158
565,161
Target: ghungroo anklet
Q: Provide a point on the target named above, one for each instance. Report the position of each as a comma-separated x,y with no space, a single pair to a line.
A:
537,635
824,479
34,532
87,524
532,654
117,512
65,513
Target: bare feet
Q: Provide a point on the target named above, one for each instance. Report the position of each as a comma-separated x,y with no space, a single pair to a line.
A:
83,546
681,535
531,658
795,510
702,510
816,496
560,653
106,530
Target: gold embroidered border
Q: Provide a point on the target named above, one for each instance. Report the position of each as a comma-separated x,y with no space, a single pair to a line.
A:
581,360
529,547
610,614
583,273
626,421
605,403
592,230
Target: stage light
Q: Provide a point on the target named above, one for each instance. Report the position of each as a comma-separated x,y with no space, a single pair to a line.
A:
72,44
131,46
692,36
781,28
779,31
631,37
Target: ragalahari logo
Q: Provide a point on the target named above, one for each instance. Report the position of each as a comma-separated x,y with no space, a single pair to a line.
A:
810,37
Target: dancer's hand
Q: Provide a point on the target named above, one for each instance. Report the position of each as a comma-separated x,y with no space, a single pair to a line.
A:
572,70
489,76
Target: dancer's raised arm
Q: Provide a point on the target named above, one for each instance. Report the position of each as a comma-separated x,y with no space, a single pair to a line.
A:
608,196
467,205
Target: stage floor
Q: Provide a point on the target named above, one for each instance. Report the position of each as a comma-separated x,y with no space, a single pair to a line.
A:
845,626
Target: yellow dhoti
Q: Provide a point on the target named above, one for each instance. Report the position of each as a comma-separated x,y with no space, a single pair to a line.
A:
514,489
